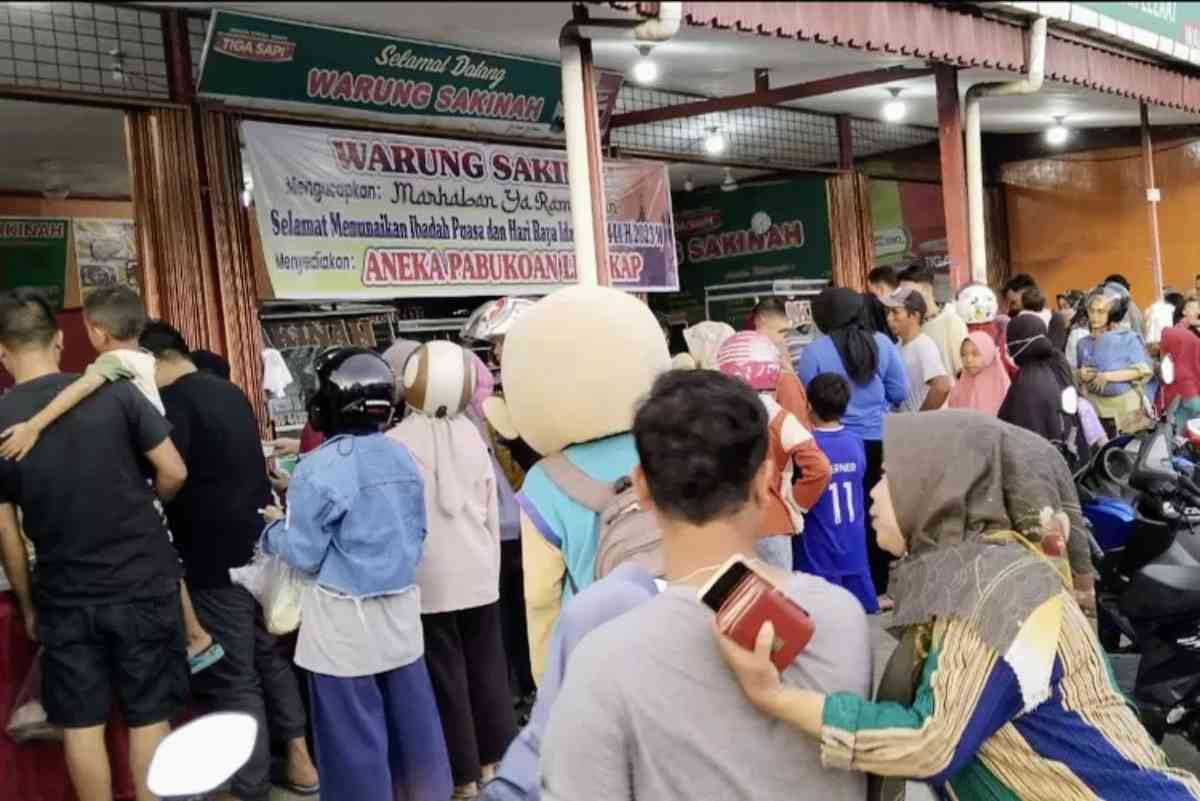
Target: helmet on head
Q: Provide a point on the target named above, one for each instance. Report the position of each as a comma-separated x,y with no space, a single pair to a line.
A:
355,389
1116,300
439,379
494,319
751,357
976,303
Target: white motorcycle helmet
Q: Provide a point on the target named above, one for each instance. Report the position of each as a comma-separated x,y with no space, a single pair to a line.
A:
494,319
976,303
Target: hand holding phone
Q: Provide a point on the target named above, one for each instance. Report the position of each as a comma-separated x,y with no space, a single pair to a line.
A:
745,599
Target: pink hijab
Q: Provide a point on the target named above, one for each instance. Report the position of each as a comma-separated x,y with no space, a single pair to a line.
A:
983,392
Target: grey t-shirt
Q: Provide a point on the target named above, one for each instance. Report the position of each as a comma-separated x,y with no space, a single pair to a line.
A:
650,711
923,362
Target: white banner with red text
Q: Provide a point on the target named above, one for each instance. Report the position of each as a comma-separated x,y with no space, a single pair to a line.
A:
359,215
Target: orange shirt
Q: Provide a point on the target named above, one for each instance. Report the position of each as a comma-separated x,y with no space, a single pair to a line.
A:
801,470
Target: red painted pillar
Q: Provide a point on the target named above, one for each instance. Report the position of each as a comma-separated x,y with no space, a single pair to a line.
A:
954,181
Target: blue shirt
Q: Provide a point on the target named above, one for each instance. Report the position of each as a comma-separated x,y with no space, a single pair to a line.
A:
834,539
628,586
869,402
356,517
568,526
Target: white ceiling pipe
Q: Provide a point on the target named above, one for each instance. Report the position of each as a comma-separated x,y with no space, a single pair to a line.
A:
656,29
575,123
662,26
1036,73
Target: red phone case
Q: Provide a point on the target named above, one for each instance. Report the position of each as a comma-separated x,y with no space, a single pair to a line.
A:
751,603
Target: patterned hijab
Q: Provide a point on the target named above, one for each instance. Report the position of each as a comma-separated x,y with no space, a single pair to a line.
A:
958,516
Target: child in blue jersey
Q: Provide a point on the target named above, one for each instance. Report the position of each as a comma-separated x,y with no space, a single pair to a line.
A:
833,545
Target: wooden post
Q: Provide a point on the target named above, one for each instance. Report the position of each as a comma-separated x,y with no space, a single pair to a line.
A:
179,56
954,181
1152,198
845,143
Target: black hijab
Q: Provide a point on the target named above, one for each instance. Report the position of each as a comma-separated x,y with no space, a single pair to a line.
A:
877,316
842,316
1034,401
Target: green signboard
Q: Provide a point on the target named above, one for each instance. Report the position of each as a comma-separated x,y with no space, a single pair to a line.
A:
763,232
259,60
33,252
1179,22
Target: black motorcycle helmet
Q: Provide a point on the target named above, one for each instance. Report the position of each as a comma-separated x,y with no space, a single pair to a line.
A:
355,390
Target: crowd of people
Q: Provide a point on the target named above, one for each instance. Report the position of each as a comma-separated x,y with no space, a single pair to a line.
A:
466,546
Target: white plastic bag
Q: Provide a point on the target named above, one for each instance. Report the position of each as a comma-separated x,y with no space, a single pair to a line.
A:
278,588
28,723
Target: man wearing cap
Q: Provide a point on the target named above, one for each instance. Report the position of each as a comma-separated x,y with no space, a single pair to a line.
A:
928,382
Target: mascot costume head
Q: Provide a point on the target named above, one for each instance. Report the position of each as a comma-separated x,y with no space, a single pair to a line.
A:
575,366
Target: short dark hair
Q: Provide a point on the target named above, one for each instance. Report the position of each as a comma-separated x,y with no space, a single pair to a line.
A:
885,275
211,362
701,437
771,305
829,395
1117,278
26,319
116,309
1033,299
917,273
1019,283
160,338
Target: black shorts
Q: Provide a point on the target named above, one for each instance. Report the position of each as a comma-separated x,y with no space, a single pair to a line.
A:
135,650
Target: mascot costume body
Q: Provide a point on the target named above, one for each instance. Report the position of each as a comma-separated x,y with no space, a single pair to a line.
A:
575,367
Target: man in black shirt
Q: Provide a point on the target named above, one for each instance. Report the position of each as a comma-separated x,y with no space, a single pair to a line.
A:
216,522
104,600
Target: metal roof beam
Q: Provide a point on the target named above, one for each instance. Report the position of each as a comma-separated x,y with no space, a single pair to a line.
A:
769,97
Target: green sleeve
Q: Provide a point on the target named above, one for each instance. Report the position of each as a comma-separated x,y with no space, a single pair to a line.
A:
110,367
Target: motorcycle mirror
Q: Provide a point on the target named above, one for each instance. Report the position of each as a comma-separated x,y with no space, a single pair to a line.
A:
1167,370
201,756
1070,400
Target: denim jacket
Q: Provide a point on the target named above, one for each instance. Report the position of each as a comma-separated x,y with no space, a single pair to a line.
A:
356,517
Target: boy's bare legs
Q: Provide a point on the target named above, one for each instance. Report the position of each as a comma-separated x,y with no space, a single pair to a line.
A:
87,763
197,638
143,742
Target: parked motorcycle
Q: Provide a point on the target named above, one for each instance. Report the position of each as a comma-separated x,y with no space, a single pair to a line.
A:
1149,587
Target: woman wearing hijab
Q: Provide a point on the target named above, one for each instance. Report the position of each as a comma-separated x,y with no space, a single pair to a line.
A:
984,381
1035,400
459,573
872,365
1010,695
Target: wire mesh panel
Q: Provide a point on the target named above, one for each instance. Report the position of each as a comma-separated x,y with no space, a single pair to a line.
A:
871,137
83,47
773,136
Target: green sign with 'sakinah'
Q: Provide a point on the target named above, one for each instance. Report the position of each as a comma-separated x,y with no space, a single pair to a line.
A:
761,232
255,59
33,252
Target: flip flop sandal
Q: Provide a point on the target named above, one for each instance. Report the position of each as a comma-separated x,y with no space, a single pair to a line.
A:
210,656
300,790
